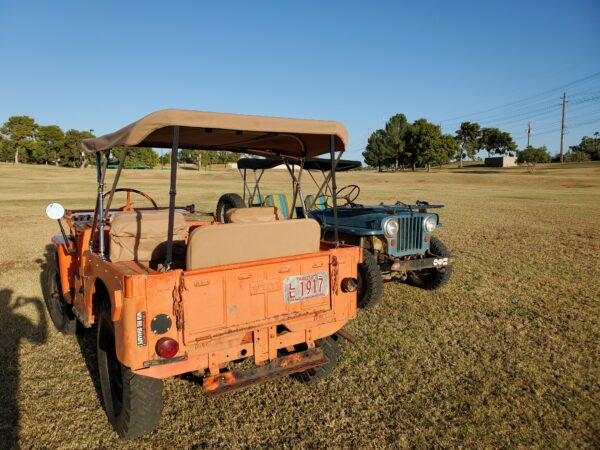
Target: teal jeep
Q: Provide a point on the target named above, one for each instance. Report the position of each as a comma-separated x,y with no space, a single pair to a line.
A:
399,238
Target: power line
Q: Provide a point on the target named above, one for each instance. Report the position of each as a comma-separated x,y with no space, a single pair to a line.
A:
594,75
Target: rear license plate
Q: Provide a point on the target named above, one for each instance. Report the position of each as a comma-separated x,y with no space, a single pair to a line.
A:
304,287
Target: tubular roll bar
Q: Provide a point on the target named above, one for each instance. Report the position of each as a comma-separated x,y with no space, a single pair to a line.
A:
334,188
99,211
172,193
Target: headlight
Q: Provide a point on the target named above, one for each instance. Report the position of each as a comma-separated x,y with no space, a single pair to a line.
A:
430,223
390,228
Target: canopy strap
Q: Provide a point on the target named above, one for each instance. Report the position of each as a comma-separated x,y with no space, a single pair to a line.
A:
115,182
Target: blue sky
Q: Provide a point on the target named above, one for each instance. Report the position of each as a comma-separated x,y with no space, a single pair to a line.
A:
101,65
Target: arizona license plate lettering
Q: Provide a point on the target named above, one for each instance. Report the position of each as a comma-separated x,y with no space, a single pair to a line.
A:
304,287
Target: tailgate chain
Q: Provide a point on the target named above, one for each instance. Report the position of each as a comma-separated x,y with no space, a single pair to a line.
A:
178,302
334,281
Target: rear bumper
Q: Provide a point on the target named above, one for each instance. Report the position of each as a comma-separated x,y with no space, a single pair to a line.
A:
279,367
411,265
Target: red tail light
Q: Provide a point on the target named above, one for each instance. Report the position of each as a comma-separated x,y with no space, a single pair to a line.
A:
167,347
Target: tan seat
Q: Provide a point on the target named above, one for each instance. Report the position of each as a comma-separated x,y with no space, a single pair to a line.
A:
216,245
142,235
253,215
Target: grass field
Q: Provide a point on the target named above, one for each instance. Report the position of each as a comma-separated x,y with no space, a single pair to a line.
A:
506,355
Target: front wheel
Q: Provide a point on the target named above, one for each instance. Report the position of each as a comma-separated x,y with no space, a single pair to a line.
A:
133,403
370,282
431,279
227,202
59,310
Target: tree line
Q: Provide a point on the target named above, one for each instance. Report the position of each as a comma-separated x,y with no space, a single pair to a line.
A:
401,144
22,140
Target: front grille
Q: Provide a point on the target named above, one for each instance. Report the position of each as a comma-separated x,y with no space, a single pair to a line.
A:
410,234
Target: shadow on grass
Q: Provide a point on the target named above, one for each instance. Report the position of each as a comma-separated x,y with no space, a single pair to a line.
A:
14,328
86,338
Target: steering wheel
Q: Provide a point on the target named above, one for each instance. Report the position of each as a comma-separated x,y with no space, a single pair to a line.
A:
353,191
128,206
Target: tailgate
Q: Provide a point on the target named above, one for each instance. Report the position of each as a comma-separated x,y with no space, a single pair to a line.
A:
228,300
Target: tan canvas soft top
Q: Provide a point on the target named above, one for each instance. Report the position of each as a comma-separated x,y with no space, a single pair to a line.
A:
260,135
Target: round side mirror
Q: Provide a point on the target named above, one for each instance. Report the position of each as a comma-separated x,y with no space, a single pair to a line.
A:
55,211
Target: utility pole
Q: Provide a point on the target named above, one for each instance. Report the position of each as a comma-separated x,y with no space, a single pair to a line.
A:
529,134
562,127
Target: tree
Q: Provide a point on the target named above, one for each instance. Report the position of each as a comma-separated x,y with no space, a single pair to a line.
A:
206,157
533,155
495,141
71,154
50,140
577,156
137,156
589,146
20,132
468,138
427,145
376,153
395,132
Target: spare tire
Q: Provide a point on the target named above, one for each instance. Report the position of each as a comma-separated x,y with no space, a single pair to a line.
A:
227,202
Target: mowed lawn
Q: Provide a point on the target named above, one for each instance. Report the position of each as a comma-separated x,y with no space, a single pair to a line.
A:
506,355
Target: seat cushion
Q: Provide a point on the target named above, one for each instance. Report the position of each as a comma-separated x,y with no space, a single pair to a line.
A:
282,202
321,202
254,214
232,243
142,235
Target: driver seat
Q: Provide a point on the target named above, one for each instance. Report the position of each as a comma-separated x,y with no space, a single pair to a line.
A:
142,236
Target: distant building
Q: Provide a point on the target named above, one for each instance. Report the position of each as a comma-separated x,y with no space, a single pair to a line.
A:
501,161
223,166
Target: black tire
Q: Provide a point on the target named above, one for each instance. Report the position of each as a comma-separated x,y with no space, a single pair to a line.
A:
59,310
431,279
370,282
226,202
133,403
331,348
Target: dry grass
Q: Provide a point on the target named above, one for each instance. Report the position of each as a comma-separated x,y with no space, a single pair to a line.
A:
506,355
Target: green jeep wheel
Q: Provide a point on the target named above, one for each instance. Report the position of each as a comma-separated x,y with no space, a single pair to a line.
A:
370,282
434,278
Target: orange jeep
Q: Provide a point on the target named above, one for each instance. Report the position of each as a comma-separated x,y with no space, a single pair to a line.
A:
173,295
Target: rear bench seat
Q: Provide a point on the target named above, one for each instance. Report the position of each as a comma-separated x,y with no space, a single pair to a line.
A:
142,236
215,245
253,215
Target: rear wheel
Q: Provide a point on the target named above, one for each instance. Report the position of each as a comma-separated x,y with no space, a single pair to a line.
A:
133,403
227,202
370,282
59,310
331,348
434,278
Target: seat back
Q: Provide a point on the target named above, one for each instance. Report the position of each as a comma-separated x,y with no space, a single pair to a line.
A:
253,215
142,235
282,202
216,245
321,202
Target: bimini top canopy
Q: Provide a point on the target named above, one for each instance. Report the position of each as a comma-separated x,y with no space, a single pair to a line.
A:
323,165
201,130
